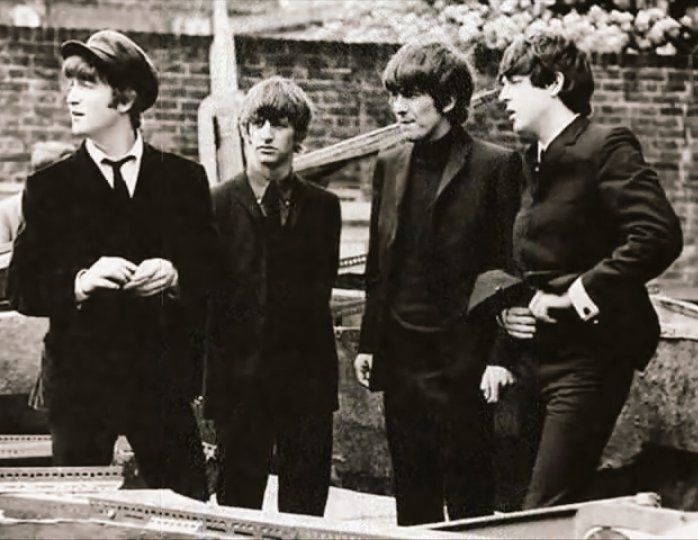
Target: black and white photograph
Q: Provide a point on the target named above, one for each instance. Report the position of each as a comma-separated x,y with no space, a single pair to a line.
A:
348,269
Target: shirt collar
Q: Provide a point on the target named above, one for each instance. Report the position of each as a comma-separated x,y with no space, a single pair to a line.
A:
543,147
98,155
259,191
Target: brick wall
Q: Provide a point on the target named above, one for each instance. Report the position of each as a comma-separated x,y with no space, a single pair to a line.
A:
32,106
654,96
176,16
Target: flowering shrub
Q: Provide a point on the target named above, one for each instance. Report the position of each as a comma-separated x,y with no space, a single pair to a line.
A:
596,29
608,26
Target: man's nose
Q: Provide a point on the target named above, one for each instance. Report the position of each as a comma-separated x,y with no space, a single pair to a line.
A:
399,105
504,93
72,95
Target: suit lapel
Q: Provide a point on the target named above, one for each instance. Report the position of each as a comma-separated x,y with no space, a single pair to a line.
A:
89,175
567,137
242,194
457,157
148,174
400,171
299,196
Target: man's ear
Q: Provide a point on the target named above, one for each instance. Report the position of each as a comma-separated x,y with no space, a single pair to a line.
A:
450,104
556,86
126,100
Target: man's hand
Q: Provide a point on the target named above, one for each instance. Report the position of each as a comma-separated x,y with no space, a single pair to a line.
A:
519,322
494,380
542,303
152,276
106,273
363,363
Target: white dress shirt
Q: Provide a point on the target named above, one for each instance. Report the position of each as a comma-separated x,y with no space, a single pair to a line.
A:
129,170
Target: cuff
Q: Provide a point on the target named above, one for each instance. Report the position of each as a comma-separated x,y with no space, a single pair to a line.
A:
173,290
582,302
80,295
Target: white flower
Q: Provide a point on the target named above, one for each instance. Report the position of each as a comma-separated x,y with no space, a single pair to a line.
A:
597,15
556,25
642,20
508,6
644,44
536,27
666,50
468,33
621,17
656,33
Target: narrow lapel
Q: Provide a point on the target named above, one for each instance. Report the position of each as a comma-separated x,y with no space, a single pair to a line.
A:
299,195
457,157
400,171
149,176
242,192
88,174
567,137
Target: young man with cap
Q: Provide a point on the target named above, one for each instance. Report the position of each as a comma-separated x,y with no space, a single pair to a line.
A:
117,252
443,205
271,372
594,226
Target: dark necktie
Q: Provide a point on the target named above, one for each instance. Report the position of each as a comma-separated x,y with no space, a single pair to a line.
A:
120,189
270,201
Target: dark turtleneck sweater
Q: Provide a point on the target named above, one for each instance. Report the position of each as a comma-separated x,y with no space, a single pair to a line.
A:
413,305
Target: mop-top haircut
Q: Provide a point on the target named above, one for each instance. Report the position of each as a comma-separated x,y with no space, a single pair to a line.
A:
541,57
278,100
434,69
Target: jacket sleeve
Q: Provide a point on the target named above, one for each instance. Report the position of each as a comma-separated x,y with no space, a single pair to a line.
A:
328,262
333,239
198,243
41,278
648,231
507,201
368,338
217,322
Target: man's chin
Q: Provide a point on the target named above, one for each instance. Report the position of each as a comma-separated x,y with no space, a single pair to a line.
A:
523,131
410,135
269,162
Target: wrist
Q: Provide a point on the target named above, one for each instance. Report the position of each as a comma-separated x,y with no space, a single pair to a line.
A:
81,293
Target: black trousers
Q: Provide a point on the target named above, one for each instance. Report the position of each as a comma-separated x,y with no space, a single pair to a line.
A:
581,392
161,431
439,439
246,440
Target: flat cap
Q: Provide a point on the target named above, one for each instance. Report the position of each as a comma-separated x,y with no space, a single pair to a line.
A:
123,58
494,290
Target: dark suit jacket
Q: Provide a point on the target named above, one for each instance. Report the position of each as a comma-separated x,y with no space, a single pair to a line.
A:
305,377
471,216
113,336
597,210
